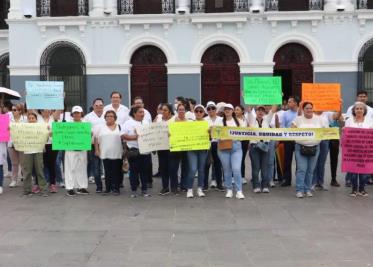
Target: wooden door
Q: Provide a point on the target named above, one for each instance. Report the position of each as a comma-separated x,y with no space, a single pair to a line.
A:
147,7
295,59
291,5
370,4
149,77
64,8
220,75
217,6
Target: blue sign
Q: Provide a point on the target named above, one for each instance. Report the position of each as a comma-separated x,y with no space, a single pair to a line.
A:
44,95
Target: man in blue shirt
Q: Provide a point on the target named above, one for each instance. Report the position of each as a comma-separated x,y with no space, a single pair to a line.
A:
287,118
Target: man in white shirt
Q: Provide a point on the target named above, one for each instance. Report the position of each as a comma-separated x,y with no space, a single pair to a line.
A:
361,96
121,110
139,102
96,117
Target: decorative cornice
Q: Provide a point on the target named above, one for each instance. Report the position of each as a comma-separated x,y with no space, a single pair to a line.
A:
102,69
337,66
183,68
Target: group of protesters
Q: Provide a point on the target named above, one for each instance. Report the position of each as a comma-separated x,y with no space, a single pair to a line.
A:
115,150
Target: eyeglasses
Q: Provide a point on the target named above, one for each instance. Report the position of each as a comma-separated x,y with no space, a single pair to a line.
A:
13,109
211,108
199,111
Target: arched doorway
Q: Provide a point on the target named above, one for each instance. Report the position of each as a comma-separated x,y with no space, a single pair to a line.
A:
149,76
365,78
4,71
293,62
220,75
64,61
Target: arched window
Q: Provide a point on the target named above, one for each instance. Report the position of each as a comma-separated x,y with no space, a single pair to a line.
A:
63,61
58,8
365,78
4,7
220,75
4,71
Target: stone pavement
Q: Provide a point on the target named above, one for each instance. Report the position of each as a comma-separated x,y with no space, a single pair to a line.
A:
330,229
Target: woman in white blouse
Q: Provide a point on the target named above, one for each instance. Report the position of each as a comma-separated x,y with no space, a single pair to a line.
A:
359,120
108,146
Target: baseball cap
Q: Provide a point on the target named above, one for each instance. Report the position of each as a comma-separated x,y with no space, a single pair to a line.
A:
76,109
227,105
210,104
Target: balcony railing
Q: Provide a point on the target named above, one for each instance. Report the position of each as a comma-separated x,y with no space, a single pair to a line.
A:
45,8
274,5
199,6
127,7
364,4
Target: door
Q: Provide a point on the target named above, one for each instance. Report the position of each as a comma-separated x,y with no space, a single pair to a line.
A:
64,8
149,77
147,7
293,62
291,5
220,75
217,6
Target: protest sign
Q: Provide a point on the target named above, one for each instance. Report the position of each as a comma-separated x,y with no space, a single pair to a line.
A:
71,136
29,137
153,137
186,136
4,127
357,150
324,96
279,134
262,90
44,95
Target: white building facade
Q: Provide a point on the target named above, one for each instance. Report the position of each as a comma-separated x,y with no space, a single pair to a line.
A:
160,49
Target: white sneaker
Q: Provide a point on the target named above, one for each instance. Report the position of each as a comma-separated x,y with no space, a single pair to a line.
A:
299,195
257,190
213,184
62,185
313,188
91,180
200,192
244,181
265,190
239,195
13,184
309,194
190,193
229,193
272,184
1,190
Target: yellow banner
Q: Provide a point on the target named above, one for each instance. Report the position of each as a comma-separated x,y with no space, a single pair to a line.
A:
186,136
276,134
29,137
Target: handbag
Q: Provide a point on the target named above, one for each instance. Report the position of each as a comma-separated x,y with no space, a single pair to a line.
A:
225,144
308,151
133,152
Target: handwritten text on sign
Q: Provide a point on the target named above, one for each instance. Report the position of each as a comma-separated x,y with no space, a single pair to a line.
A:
153,137
71,136
324,96
186,136
279,134
262,90
44,95
4,128
357,150
29,137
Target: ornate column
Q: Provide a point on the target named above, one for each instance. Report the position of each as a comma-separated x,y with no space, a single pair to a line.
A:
111,7
182,6
97,8
348,5
330,5
257,5
15,11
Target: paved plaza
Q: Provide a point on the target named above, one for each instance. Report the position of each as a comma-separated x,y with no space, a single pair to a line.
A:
330,229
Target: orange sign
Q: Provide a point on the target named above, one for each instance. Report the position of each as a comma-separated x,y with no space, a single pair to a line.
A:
324,96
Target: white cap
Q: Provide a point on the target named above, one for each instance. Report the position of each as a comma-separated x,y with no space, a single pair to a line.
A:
199,106
76,109
210,104
227,105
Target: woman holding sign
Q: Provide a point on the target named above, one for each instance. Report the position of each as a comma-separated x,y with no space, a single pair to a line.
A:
359,120
230,154
306,151
108,146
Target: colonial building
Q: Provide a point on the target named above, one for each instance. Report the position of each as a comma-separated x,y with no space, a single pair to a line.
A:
160,49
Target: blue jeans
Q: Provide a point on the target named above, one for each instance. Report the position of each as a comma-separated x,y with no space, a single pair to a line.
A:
358,181
305,169
1,175
95,169
197,162
271,160
318,175
259,163
231,163
59,164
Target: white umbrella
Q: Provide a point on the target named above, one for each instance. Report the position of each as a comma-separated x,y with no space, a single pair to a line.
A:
9,94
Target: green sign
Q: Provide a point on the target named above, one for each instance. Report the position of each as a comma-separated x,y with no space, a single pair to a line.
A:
262,90
71,136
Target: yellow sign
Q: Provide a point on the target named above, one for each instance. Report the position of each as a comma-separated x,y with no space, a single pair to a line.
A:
276,134
186,136
29,137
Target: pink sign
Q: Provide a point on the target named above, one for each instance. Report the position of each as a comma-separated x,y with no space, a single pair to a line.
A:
4,128
357,150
